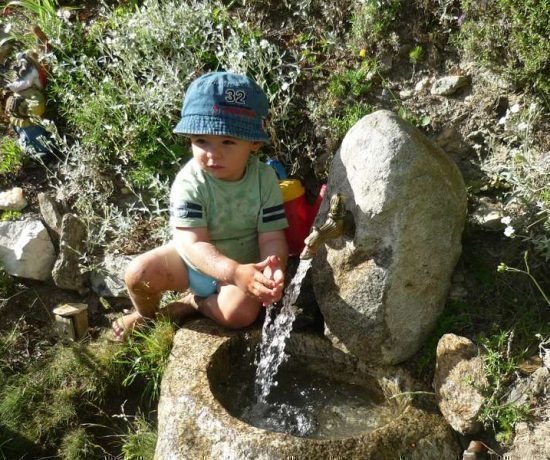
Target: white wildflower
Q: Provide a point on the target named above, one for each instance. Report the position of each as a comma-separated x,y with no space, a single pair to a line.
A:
264,44
506,220
509,231
523,126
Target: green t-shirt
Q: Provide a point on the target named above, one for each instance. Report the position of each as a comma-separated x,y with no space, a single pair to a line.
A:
234,212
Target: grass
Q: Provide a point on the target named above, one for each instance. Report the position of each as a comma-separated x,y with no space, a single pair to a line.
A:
500,364
146,356
140,441
55,398
42,402
79,444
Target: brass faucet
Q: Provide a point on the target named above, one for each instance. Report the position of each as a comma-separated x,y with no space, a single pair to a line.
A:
332,228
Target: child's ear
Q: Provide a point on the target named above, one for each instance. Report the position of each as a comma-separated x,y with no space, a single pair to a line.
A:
256,146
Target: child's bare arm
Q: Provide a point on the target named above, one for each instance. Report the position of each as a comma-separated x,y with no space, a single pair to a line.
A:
206,257
274,244
273,247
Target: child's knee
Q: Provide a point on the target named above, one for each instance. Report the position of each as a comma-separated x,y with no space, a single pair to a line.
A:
242,317
136,277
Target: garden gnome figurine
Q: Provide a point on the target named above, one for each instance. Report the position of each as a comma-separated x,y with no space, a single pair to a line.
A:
27,103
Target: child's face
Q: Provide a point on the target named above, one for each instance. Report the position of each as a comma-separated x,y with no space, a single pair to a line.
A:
222,157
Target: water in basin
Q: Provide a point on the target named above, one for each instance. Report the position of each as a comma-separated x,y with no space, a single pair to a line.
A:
320,391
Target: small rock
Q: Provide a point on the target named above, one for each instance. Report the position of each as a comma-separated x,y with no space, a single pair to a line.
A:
109,282
406,93
422,85
26,249
488,215
449,85
12,200
458,377
67,273
386,62
458,292
451,141
51,211
525,389
532,437
476,451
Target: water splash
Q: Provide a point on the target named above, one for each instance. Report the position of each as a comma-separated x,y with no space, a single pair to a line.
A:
275,332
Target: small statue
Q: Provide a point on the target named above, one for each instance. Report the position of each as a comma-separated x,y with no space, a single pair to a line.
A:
26,104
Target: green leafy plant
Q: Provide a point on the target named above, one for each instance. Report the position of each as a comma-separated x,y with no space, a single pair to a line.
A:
416,54
413,119
499,366
11,156
372,20
350,115
510,36
10,215
41,10
353,82
521,176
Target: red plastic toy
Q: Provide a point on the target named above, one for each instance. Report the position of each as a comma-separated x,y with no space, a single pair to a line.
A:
299,213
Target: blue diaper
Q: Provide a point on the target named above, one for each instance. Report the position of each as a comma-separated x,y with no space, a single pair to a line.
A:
201,284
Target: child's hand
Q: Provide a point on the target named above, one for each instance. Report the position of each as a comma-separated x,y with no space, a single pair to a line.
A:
275,272
263,280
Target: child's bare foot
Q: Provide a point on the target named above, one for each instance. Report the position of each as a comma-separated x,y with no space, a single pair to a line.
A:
125,324
182,308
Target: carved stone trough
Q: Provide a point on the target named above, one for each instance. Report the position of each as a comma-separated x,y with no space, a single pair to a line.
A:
199,405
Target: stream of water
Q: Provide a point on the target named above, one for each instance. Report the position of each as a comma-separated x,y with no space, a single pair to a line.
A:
310,401
275,332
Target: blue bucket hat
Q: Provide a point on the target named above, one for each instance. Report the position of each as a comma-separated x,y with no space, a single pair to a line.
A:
225,104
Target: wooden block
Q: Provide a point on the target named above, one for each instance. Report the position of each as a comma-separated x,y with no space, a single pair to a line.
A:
72,320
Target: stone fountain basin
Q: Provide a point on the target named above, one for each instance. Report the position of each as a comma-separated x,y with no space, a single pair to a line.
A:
195,408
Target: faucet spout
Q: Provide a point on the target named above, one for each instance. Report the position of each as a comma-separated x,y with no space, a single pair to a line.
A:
332,228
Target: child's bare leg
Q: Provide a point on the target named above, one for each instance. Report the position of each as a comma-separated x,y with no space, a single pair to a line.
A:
231,307
179,309
147,277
